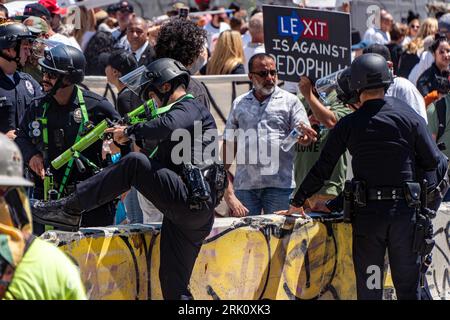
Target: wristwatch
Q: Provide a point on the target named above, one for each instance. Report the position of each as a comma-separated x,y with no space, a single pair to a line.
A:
295,203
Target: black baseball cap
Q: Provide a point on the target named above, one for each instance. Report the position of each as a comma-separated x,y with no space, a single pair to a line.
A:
36,10
125,6
121,60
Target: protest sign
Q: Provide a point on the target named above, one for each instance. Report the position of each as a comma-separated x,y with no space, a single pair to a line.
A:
307,42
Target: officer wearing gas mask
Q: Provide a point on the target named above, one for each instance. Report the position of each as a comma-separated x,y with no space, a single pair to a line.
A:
387,143
56,121
186,193
17,89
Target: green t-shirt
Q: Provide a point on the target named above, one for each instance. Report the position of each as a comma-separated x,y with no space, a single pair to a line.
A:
306,157
45,273
433,124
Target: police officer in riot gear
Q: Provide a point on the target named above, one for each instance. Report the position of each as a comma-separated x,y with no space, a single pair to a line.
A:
185,195
55,122
17,89
387,144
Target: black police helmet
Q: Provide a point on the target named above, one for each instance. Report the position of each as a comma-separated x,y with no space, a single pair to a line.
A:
64,60
11,33
369,71
165,70
344,93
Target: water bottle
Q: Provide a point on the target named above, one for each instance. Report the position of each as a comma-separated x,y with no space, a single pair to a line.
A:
291,139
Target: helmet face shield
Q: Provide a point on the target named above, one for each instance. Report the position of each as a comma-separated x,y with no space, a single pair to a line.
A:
136,79
328,87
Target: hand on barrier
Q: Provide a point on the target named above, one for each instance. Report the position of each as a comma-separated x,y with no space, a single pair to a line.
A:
292,210
237,209
320,206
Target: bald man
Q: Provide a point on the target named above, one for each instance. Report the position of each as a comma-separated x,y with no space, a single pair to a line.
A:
137,36
256,45
380,34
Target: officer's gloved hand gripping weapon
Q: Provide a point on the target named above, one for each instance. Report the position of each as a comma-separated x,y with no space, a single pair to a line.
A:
143,113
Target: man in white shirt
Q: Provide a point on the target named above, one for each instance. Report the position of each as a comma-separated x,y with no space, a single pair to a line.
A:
258,121
401,88
256,45
381,35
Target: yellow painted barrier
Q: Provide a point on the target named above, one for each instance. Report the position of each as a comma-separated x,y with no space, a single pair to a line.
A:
263,257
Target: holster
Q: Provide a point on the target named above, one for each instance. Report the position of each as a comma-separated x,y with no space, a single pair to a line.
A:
218,180
412,194
360,193
423,242
348,201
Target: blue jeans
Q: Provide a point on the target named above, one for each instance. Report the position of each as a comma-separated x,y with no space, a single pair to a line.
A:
267,199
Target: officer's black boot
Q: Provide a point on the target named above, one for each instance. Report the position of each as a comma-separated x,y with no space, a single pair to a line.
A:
64,213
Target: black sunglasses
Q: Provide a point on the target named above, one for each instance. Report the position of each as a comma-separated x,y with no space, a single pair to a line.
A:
265,73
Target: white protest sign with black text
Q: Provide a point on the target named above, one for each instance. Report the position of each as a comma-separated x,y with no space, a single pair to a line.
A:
307,42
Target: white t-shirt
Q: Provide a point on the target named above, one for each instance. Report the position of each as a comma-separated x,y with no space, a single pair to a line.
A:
405,91
373,35
250,50
426,60
214,33
246,39
65,40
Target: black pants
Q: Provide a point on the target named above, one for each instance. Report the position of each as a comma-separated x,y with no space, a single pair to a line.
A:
379,226
182,232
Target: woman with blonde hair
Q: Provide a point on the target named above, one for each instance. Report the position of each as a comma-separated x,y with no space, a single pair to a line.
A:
228,56
411,57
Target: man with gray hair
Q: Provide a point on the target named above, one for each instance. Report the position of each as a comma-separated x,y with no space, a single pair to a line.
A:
256,45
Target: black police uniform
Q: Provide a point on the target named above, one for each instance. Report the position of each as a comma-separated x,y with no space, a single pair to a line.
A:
158,179
63,126
15,98
387,143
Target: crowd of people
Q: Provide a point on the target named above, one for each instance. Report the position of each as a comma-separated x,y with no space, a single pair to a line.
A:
45,110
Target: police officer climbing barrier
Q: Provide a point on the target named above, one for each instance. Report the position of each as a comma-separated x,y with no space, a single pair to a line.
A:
185,193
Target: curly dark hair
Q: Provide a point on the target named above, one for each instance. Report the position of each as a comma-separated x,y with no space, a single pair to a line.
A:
180,39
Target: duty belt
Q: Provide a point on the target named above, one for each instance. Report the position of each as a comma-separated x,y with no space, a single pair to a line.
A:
385,193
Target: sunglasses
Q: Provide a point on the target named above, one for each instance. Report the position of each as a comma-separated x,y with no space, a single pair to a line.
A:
265,73
415,26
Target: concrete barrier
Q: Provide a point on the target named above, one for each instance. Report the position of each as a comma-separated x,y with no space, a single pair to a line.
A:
263,257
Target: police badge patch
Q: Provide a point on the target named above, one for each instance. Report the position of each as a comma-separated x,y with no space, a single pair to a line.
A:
77,116
29,87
